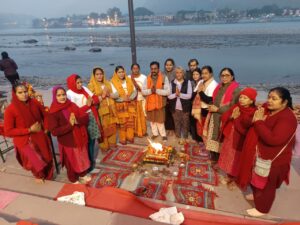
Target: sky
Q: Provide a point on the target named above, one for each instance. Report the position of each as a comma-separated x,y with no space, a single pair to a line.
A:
56,8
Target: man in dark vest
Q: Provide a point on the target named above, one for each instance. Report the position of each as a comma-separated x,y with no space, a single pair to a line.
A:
180,104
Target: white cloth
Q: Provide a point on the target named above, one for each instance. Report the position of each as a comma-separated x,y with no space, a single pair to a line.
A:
76,198
168,215
209,91
79,99
158,127
124,86
140,81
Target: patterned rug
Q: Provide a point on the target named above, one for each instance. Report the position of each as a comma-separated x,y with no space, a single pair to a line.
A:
197,152
108,177
152,188
123,156
194,196
200,172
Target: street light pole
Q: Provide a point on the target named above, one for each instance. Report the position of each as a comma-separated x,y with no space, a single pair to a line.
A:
132,31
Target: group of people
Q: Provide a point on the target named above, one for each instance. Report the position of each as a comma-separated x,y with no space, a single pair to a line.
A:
251,144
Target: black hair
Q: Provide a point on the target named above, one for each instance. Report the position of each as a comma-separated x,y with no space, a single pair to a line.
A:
170,60
208,68
284,94
118,68
193,60
77,77
154,63
18,84
230,71
135,64
4,55
97,68
197,70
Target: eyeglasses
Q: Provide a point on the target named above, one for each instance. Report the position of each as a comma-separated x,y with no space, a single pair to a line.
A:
225,75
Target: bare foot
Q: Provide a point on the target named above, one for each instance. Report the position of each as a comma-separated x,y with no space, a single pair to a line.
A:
249,197
231,185
254,212
39,181
223,180
85,179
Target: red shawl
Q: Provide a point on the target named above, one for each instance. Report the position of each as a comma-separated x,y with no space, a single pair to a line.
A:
55,105
228,94
248,158
227,122
29,110
79,131
226,99
71,83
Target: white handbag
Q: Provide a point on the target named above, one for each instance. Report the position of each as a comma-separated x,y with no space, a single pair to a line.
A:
263,166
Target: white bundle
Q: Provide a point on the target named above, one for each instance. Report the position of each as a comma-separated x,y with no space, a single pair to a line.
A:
168,215
76,198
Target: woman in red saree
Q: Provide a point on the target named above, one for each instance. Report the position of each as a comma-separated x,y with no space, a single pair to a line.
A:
24,123
235,125
69,125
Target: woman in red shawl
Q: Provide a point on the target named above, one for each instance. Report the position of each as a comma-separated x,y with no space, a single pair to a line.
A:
235,125
23,121
88,103
273,134
69,126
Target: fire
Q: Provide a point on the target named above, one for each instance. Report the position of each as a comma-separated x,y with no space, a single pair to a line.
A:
157,146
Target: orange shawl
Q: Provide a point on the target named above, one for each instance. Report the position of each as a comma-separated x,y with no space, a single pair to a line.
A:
154,101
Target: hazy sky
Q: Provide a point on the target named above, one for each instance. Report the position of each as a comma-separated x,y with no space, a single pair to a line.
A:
54,8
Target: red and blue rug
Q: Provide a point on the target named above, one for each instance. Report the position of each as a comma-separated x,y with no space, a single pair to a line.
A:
108,177
197,152
123,156
152,188
201,172
194,196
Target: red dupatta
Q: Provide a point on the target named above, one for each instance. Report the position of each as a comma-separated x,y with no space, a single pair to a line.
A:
248,157
79,132
29,110
71,83
226,99
228,94
55,105
227,122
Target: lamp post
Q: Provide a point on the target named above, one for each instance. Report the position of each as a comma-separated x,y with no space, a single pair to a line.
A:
132,31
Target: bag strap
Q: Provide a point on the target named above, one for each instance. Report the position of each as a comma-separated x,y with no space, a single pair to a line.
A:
257,152
284,147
